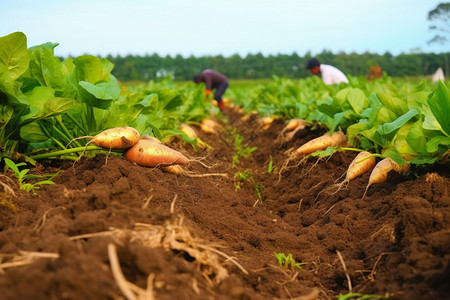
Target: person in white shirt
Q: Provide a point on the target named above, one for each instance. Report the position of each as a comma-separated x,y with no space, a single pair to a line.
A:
438,75
330,74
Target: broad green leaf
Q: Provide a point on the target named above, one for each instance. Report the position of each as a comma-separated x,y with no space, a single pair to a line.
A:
424,160
439,103
380,115
342,95
44,105
105,90
101,94
402,146
14,57
375,137
11,89
32,132
392,153
50,71
394,104
149,101
354,130
432,146
174,103
430,122
340,118
169,99
418,100
49,46
373,100
416,137
357,100
388,128
329,106
92,69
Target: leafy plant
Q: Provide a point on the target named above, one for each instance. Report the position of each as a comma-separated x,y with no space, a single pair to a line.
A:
288,261
23,175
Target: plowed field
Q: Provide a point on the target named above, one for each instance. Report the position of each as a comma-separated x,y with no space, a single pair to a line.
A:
180,237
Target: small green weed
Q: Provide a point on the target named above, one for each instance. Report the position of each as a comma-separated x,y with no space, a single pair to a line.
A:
23,175
270,167
358,296
288,261
240,177
241,150
258,188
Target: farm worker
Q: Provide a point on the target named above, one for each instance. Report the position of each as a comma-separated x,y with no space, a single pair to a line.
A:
438,75
375,72
213,80
330,74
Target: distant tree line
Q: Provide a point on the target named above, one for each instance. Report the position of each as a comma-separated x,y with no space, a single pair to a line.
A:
258,66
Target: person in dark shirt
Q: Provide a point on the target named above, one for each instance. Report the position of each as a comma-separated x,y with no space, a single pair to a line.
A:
213,80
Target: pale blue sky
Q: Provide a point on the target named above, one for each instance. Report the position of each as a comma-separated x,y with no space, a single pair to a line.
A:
227,27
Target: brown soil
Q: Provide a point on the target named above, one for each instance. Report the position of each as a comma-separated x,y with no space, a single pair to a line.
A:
179,237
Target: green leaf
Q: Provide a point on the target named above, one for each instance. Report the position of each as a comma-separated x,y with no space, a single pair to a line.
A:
12,165
416,137
424,160
324,153
401,144
342,95
14,57
392,153
44,105
340,118
102,94
11,89
33,133
380,115
357,100
354,130
46,68
388,128
92,69
439,103
373,100
44,182
329,107
109,90
394,104
432,146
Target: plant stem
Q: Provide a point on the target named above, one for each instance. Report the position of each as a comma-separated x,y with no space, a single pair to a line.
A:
64,152
67,135
75,121
50,136
369,156
349,149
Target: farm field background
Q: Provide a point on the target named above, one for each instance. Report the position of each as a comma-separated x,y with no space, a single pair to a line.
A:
248,220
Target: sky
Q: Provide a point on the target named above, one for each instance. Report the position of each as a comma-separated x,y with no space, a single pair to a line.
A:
227,27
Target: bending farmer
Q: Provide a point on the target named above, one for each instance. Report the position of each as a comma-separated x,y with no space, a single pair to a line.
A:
213,80
330,74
